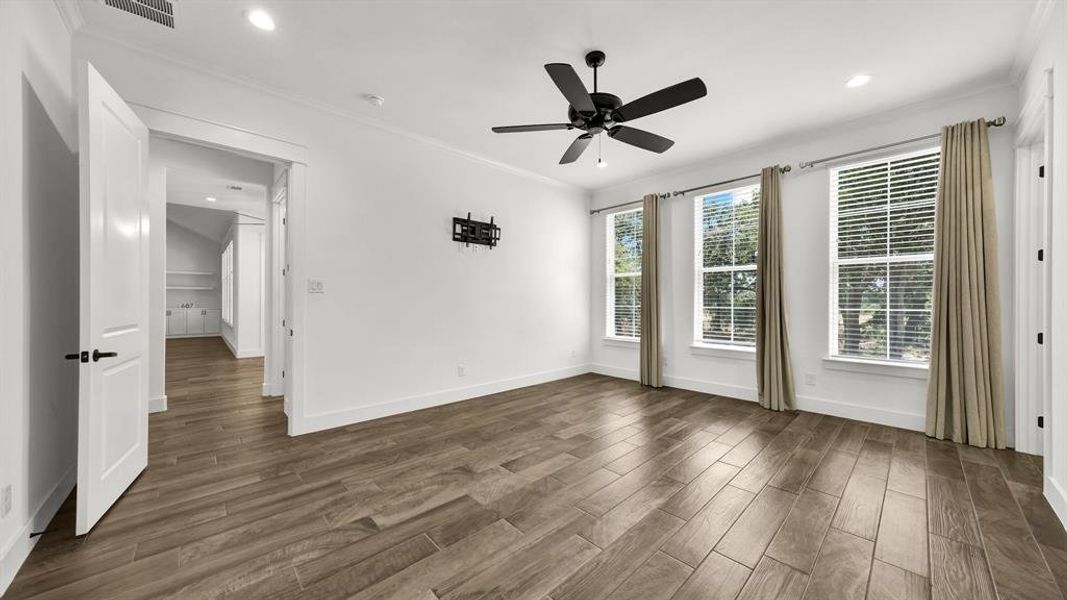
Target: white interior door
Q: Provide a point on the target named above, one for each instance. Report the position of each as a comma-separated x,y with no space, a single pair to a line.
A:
113,393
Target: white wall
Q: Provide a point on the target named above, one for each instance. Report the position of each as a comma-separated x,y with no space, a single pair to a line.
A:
39,271
1050,54
894,400
245,337
188,250
403,304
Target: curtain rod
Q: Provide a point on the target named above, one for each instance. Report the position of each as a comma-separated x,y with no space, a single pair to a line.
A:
667,195
997,122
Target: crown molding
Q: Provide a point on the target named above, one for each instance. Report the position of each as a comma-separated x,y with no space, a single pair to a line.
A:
1036,27
71,14
331,110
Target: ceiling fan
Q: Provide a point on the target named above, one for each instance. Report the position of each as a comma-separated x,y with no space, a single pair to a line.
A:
599,112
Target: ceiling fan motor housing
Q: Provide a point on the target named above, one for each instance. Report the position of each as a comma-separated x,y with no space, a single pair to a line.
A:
605,104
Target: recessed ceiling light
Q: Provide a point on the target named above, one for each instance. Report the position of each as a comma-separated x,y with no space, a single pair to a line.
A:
261,19
209,198
858,80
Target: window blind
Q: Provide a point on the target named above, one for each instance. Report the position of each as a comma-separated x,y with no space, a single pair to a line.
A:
882,257
727,230
624,273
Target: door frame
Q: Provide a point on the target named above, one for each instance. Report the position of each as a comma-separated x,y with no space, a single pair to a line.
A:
191,129
1032,221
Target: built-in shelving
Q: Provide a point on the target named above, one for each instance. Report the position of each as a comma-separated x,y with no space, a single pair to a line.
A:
203,288
201,273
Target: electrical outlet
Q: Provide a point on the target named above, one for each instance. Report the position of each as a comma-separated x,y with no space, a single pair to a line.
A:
5,501
809,379
316,286
461,370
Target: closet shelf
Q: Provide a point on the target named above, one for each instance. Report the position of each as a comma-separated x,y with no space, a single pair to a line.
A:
201,273
191,287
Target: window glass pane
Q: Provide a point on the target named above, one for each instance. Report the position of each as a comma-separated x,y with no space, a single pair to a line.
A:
628,306
717,289
745,326
861,333
717,325
628,235
745,288
911,285
746,229
862,234
861,287
718,230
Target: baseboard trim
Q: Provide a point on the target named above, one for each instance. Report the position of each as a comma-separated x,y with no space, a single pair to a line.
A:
254,353
330,420
1057,498
867,414
193,335
272,389
19,548
157,404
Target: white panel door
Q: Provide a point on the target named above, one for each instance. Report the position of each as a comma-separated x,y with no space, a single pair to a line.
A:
113,392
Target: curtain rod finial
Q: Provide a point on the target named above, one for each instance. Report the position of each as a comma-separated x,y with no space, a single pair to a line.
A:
786,169
998,122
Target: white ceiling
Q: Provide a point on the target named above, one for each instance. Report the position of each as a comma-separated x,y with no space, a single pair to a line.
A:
450,70
206,222
190,187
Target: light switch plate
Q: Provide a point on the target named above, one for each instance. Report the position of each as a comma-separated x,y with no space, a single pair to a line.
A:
316,286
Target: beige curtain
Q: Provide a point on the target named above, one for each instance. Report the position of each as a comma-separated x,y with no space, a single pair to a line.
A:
651,344
773,368
965,398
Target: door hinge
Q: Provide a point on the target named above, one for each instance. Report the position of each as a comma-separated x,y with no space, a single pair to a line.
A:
1041,171
1041,422
283,322
1041,255
290,333
1040,338
283,373
283,221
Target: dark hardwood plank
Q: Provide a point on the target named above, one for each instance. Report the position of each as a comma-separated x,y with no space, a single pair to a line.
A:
843,567
749,536
893,583
798,541
717,578
958,571
902,533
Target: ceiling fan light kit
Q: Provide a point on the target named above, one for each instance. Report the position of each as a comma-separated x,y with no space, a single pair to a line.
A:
600,112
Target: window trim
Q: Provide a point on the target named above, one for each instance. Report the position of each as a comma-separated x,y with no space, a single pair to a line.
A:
609,267
698,342
867,364
226,280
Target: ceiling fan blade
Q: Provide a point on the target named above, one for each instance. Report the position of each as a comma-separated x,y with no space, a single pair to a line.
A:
641,138
668,97
576,148
539,127
568,82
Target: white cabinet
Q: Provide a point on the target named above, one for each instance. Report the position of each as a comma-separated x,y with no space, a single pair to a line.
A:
212,320
175,321
193,321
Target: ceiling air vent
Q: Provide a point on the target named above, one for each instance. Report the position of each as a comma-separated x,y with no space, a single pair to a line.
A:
159,11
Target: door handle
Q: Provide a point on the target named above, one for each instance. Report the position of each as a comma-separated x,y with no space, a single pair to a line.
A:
83,356
97,355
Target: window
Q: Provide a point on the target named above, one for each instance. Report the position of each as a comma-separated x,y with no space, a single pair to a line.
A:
624,231
882,257
227,284
727,230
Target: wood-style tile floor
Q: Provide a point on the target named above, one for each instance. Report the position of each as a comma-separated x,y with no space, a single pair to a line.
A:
586,488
